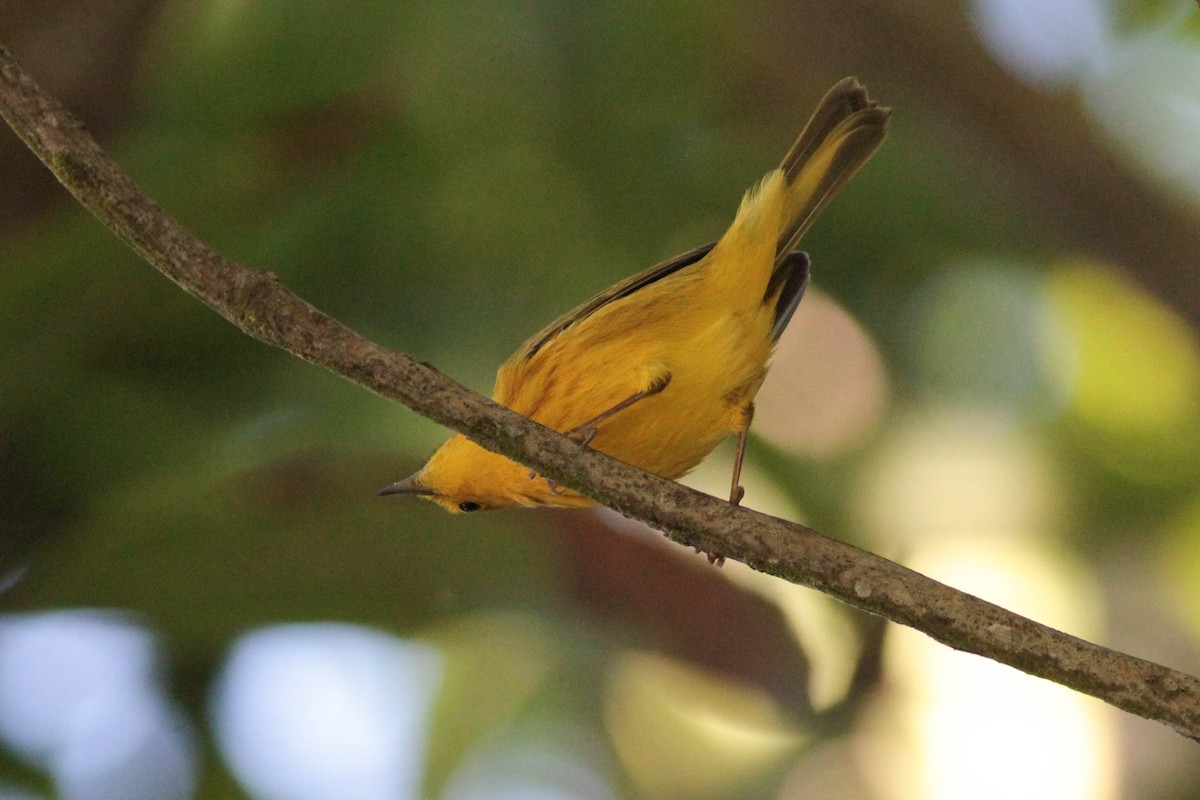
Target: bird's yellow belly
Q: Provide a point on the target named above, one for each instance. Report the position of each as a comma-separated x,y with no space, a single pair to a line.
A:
714,376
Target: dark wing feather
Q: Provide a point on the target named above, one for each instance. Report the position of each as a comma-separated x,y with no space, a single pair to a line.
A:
613,293
795,266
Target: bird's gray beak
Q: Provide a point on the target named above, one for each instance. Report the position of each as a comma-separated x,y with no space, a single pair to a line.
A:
407,486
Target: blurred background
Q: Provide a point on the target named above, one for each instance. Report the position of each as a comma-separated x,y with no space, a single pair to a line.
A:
994,380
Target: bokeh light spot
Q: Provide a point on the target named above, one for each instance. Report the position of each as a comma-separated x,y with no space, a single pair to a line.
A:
975,728
975,331
681,732
958,473
1043,42
80,697
304,712
528,770
827,390
1144,98
1137,368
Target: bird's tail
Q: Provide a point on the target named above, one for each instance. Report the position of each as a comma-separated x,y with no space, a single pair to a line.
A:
841,136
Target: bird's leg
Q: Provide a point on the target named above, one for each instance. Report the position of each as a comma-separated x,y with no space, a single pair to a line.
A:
551,484
736,490
586,431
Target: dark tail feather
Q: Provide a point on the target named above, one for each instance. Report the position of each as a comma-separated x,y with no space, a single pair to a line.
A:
846,97
841,136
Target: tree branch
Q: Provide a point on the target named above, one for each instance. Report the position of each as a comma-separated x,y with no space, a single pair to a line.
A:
258,304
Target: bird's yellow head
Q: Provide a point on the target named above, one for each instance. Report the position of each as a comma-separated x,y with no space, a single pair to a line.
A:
462,477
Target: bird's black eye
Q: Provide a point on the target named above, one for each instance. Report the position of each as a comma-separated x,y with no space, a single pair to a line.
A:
469,505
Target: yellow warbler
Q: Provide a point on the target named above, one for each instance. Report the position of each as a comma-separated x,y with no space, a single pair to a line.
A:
661,367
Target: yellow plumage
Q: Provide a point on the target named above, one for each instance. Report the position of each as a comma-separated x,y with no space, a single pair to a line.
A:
658,369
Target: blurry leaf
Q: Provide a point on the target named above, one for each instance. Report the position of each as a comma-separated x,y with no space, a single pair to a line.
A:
1135,372
1180,562
683,733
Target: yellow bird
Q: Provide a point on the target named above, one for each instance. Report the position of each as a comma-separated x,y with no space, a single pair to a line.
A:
658,369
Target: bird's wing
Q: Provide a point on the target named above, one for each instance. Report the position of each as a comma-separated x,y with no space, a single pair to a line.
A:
609,295
795,267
